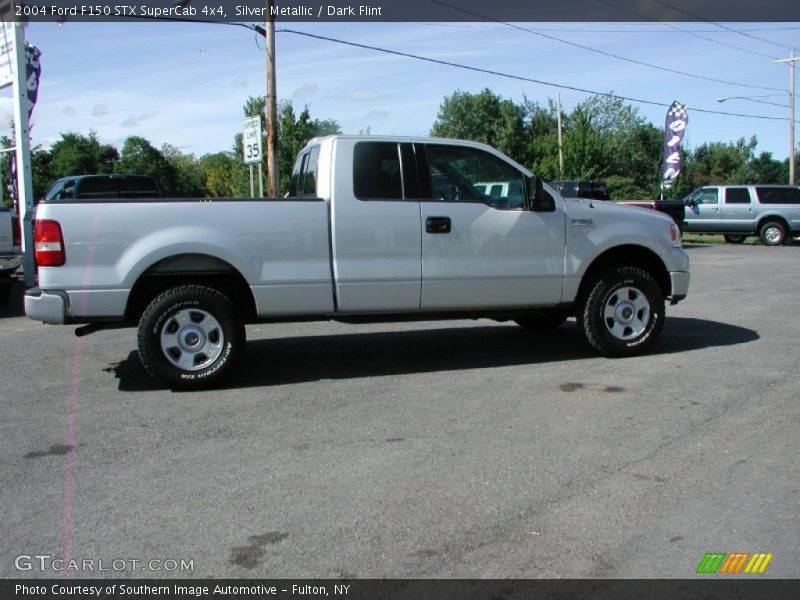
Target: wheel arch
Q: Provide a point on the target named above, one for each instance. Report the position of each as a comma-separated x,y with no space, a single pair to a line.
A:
628,255
764,219
190,269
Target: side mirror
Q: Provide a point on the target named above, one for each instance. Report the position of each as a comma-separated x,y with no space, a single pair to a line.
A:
538,199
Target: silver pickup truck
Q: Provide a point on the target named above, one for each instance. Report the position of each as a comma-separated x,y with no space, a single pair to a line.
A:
374,229
770,211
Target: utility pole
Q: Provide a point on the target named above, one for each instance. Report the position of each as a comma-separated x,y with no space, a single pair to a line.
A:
560,146
271,107
791,61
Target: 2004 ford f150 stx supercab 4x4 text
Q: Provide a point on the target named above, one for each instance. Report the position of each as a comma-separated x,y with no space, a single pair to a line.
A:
373,229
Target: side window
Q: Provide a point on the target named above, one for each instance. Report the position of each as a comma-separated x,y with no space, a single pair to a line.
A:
298,172
708,196
309,188
460,174
68,191
778,195
737,196
55,192
136,187
376,171
97,187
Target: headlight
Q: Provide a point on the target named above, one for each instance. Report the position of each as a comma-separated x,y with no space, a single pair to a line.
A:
675,236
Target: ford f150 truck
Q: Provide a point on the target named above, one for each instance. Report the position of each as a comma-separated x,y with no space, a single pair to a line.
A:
374,229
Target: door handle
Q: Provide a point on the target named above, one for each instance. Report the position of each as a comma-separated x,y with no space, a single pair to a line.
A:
438,225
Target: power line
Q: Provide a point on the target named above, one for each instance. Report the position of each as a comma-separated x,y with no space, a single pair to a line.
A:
516,77
687,32
603,52
626,30
725,27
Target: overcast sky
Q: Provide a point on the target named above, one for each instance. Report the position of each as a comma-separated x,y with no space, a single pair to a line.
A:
185,84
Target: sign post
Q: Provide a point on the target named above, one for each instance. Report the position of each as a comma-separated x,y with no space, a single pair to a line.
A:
253,150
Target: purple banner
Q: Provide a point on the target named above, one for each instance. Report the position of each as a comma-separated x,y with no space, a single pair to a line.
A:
674,128
33,73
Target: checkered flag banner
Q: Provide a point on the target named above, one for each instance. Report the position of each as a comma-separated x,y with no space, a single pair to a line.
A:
674,128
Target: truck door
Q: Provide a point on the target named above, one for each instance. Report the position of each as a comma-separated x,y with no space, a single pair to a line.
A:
702,212
481,249
375,227
737,211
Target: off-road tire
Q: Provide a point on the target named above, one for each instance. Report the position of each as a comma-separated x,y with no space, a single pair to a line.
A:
186,315
643,301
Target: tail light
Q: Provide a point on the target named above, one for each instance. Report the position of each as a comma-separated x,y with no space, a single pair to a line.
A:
48,243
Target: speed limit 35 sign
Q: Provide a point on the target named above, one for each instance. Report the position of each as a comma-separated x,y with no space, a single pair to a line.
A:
252,140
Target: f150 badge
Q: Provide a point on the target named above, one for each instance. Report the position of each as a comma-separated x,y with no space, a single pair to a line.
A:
582,222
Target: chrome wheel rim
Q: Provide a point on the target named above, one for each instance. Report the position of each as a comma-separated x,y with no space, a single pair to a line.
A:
626,313
772,235
192,339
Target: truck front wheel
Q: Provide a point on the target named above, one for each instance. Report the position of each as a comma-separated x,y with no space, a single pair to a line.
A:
623,312
190,337
735,238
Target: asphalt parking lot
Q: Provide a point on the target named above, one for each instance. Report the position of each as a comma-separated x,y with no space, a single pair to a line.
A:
440,449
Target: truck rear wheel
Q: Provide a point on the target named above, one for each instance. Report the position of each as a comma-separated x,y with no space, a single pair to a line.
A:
190,337
772,233
623,312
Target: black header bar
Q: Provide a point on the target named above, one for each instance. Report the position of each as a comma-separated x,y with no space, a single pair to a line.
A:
408,10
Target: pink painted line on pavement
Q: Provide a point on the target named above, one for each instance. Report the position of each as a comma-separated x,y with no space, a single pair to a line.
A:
72,409
69,475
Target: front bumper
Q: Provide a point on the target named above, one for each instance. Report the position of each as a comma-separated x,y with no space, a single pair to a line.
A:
680,285
49,307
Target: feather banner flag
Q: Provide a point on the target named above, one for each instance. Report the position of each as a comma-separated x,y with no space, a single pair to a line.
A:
674,128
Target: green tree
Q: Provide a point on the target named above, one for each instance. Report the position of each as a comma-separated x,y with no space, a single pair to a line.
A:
190,177
541,140
483,117
294,132
219,175
587,153
608,139
41,171
140,157
769,170
76,154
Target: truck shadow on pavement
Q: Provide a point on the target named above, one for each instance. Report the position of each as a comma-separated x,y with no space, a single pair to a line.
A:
289,360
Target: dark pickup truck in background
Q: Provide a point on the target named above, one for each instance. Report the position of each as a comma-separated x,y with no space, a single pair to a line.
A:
673,208
597,190
102,186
